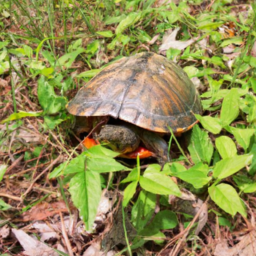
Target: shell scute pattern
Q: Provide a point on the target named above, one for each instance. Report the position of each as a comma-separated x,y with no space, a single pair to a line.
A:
145,89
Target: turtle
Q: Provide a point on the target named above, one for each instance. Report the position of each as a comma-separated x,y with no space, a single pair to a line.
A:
148,95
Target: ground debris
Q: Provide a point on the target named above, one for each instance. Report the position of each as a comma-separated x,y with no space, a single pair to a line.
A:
44,210
32,246
246,247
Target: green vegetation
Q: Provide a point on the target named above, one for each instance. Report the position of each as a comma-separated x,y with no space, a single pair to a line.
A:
49,49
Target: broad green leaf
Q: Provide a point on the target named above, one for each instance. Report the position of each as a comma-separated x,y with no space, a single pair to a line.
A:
101,151
209,123
4,66
107,33
177,168
68,58
243,136
251,118
3,169
250,188
226,197
196,175
132,176
50,102
47,72
93,47
85,190
143,209
129,192
191,71
159,183
253,83
163,220
224,222
229,166
77,164
100,159
252,169
233,40
226,147
89,73
37,65
52,121
112,20
20,115
253,61
153,168
245,183
200,147
230,107
128,21
3,44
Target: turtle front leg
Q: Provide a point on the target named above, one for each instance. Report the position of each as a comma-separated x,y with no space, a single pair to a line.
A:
154,142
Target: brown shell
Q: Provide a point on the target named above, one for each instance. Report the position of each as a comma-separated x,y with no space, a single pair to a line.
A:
145,89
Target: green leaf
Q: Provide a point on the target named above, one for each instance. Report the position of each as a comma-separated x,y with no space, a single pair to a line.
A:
100,159
99,150
226,197
52,121
233,40
89,73
253,83
245,183
153,168
209,123
229,166
143,209
226,147
128,21
129,192
159,183
253,61
225,222
93,47
196,175
85,190
252,169
107,33
20,115
163,220
3,169
4,206
67,59
176,168
76,165
230,107
47,72
132,176
250,188
50,102
243,136
200,147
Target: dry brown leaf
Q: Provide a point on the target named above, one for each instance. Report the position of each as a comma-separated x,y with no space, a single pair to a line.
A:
107,200
246,247
169,41
4,231
32,246
190,204
44,210
94,250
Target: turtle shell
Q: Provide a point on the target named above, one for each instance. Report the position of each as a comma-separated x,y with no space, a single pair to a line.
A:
146,90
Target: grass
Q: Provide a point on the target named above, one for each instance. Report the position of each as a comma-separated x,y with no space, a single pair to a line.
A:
49,49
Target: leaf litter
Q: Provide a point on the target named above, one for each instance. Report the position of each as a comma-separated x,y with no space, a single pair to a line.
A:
29,147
